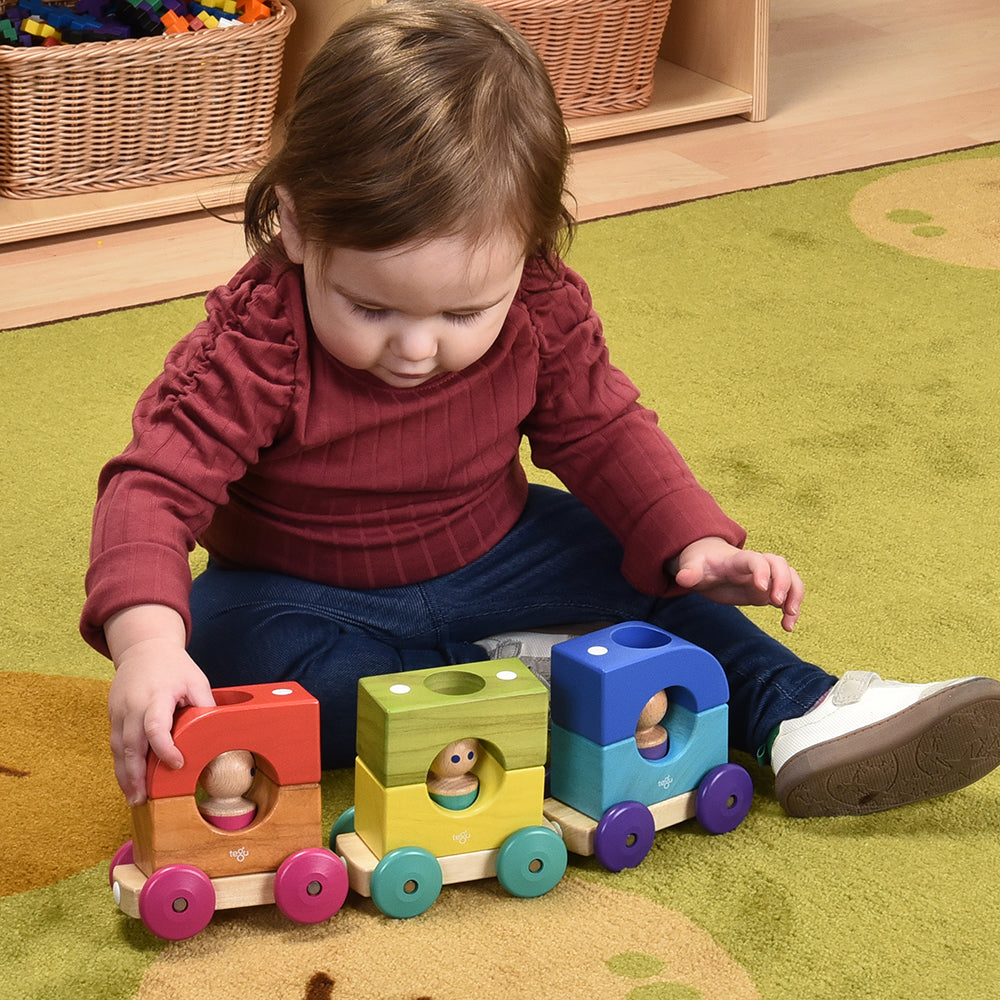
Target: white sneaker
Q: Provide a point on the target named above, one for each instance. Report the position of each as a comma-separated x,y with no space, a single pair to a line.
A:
873,744
533,649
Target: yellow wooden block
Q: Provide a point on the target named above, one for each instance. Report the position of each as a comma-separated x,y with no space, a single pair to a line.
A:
405,719
406,816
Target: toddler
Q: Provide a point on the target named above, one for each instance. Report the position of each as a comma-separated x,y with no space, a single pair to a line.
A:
341,434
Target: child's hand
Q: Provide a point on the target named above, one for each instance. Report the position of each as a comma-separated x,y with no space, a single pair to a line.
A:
728,575
154,675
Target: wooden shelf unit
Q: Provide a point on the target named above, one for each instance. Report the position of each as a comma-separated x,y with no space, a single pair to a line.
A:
713,64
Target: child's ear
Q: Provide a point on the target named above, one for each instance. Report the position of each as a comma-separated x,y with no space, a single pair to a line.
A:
291,233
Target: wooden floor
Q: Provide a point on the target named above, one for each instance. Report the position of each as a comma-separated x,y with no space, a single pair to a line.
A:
851,83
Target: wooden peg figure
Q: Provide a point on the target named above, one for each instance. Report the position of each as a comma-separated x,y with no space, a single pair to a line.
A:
650,737
225,781
450,781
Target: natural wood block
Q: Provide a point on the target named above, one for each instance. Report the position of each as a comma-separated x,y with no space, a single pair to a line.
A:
362,862
256,889
173,831
578,828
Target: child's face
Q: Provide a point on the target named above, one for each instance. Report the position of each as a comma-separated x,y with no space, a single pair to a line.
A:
414,312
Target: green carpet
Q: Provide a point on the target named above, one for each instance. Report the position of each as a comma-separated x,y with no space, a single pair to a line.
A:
824,354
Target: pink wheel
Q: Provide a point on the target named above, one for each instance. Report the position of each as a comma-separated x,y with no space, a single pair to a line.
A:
177,902
123,856
311,885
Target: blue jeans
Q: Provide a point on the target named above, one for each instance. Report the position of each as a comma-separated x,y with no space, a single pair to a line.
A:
559,565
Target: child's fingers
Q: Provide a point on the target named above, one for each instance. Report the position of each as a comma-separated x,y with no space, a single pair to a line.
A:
129,751
787,595
158,725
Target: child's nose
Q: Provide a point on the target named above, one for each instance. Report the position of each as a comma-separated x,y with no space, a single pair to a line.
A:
414,343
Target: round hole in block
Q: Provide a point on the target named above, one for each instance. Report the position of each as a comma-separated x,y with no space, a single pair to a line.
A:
399,689
598,650
640,637
282,692
455,683
234,697
507,675
233,792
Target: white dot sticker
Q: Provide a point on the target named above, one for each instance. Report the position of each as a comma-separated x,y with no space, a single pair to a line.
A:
507,675
598,650
400,689
282,691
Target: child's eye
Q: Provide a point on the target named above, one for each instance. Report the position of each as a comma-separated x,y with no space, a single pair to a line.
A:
463,317
369,312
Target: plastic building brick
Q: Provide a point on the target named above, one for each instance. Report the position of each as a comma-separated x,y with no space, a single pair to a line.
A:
174,23
254,10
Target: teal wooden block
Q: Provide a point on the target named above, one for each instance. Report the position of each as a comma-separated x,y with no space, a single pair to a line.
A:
601,681
592,778
405,719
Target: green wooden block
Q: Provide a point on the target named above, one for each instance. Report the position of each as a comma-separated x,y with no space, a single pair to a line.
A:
405,719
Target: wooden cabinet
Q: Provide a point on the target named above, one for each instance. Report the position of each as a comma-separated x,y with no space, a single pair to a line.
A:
713,63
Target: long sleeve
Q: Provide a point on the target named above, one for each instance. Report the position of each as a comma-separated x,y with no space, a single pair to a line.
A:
590,430
222,397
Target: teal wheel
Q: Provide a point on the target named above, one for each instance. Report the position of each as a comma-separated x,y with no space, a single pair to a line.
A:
406,882
531,861
344,824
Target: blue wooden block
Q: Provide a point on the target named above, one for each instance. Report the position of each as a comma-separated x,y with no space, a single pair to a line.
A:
602,681
592,778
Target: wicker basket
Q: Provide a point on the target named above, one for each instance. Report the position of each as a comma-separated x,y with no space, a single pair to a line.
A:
99,116
600,54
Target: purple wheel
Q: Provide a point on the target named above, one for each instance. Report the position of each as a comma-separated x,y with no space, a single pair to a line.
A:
624,836
724,798
123,856
177,902
310,885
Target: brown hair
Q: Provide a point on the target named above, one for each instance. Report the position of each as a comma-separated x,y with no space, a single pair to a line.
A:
419,119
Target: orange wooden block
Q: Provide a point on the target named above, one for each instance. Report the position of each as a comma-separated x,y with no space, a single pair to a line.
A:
277,723
170,831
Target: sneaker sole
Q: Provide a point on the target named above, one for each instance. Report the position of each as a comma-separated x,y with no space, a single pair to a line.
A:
942,743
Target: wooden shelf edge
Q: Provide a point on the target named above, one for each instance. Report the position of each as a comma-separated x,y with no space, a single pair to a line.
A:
36,218
680,97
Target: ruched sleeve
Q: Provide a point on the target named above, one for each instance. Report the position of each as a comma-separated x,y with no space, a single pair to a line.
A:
589,428
222,397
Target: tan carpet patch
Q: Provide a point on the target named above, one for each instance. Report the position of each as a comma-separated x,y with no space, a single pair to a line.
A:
948,212
581,941
62,811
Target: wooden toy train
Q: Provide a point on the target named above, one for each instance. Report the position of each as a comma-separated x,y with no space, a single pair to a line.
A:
450,783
